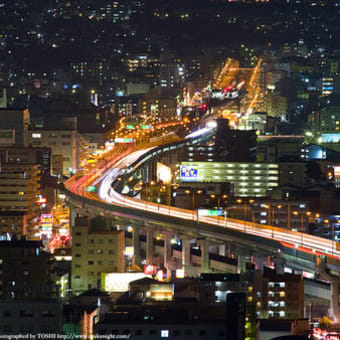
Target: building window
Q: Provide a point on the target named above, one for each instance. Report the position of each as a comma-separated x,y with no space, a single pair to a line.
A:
78,244
220,332
77,255
78,233
7,314
91,252
100,263
100,241
100,251
90,263
26,313
111,252
164,333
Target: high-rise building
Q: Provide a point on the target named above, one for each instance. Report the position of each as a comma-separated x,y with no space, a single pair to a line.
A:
20,188
66,142
14,126
26,271
94,252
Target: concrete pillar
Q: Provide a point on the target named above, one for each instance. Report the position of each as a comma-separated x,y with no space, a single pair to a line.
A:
268,262
334,307
73,215
222,250
279,265
241,264
167,252
204,246
186,256
259,262
136,245
149,246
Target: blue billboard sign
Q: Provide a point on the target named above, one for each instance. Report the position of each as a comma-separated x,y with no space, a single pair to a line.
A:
188,172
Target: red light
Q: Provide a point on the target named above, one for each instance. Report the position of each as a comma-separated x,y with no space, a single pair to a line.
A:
204,106
229,88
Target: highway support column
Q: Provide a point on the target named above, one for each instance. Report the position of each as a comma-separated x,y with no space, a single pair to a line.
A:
136,245
149,246
167,252
334,307
186,256
204,245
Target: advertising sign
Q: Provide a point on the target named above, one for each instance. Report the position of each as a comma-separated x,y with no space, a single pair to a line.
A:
188,172
119,282
163,173
210,212
46,220
123,140
46,224
129,251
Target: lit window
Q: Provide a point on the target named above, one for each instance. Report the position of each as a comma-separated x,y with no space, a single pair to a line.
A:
164,333
36,135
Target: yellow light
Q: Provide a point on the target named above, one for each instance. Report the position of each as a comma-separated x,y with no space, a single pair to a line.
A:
295,213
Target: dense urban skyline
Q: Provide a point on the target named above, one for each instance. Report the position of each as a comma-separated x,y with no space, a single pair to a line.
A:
170,169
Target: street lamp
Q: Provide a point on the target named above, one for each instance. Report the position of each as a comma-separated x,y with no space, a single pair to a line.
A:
296,213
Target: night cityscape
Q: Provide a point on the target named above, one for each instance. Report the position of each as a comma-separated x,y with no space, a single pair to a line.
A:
170,169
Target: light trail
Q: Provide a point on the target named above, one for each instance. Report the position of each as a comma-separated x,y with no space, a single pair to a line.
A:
300,241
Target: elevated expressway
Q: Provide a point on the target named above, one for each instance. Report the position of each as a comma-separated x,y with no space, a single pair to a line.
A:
250,241
299,250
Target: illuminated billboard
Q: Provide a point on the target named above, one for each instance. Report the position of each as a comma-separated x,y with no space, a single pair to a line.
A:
46,224
336,171
46,220
188,173
210,212
163,173
119,282
129,251
162,292
124,140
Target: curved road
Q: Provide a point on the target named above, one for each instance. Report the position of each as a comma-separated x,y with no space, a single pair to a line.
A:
119,161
